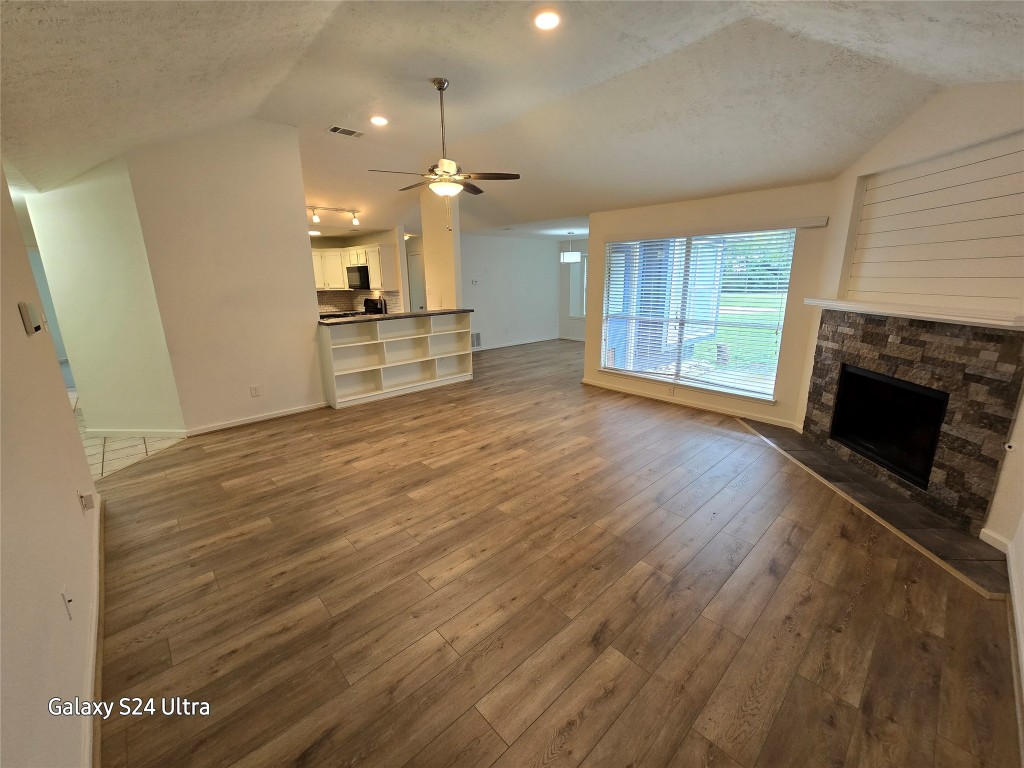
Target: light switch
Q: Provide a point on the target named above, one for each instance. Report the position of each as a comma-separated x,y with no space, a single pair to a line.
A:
30,318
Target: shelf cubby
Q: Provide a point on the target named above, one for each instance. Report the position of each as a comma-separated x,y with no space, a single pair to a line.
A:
357,357
447,323
456,365
453,343
355,333
406,350
359,384
408,375
403,327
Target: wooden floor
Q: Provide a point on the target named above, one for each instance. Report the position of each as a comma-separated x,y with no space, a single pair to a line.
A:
522,571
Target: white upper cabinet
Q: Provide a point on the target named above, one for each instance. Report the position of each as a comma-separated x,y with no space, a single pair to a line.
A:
380,260
334,270
318,270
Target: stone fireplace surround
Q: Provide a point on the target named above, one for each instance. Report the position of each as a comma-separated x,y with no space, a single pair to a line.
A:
982,369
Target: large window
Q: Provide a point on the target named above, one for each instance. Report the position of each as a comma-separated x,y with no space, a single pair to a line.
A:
705,311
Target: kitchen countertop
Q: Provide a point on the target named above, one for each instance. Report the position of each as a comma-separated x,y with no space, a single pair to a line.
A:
390,316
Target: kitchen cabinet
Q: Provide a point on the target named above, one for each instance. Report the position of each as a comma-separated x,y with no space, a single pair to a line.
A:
380,260
318,271
334,270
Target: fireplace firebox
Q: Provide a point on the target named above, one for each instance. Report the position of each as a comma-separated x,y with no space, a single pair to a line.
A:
892,422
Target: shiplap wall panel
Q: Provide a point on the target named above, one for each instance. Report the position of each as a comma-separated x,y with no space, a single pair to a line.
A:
992,248
1009,306
941,268
947,232
963,174
1003,226
1008,205
979,152
965,193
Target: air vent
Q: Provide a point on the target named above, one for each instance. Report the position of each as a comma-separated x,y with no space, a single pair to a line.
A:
345,131
474,340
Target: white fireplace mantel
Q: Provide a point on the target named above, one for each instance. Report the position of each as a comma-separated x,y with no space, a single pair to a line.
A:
981,318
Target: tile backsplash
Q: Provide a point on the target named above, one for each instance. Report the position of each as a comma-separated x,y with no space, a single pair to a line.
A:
348,301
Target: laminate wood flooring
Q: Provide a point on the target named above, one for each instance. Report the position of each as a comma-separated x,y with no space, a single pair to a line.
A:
524,571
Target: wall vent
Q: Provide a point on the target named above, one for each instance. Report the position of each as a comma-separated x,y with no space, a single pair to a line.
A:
345,131
474,340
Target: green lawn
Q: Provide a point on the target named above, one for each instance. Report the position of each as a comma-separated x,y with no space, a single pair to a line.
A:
746,346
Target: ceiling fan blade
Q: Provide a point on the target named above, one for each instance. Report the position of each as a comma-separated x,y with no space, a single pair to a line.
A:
473,189
413,186
404,173
490,176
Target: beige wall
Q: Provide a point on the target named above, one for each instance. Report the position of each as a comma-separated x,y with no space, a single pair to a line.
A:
223,214
46,542
97,268
442,258
749,211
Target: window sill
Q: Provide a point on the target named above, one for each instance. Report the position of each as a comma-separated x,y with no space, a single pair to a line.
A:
696,387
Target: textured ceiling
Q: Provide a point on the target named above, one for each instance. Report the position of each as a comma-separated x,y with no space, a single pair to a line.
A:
626,103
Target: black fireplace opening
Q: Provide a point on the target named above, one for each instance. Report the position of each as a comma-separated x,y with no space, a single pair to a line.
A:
892,422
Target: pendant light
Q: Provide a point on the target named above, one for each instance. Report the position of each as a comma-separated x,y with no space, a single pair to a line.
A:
570,256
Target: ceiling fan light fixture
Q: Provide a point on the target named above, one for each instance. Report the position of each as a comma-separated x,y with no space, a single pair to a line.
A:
546,19
445,188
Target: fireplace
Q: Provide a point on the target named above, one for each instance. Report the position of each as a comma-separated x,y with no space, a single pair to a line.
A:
892,422
981,368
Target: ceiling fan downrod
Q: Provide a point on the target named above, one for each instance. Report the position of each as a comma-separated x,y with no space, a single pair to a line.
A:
441,84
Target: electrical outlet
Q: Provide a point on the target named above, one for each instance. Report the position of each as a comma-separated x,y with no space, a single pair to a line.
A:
66,599
254,390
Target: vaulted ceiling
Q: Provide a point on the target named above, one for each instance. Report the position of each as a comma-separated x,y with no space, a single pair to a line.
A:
626,103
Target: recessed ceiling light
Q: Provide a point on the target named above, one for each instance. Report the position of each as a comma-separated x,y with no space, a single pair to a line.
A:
547,20
379,120
313,233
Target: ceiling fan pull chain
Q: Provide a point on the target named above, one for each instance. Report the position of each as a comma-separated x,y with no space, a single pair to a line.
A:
448,209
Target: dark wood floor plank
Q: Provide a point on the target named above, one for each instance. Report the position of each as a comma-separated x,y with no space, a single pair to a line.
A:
656,630
469,742
425,714
654,724
976,704
519,699
312,738
897,722
740,712
812,730
698,752
569,728
742,598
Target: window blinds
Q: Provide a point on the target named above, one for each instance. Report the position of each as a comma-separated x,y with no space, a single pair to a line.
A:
705,310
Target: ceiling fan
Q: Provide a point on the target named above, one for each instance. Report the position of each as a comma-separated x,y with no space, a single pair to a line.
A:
446,178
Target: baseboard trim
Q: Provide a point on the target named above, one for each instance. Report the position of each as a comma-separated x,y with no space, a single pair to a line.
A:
158,434
736,413
97,684
252,419
997,540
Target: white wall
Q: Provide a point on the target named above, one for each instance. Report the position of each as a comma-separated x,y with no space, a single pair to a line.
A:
45,539
223,214
748,211
95,259
572,328
36,261
512,284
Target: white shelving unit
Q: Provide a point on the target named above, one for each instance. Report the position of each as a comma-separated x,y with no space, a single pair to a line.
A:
383,358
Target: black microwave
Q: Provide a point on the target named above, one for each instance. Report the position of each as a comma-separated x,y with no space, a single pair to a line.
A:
358,277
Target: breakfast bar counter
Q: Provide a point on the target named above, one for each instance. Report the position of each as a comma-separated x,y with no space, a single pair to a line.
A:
369,357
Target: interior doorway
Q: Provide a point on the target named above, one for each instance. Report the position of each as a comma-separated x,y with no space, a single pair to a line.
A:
417,281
